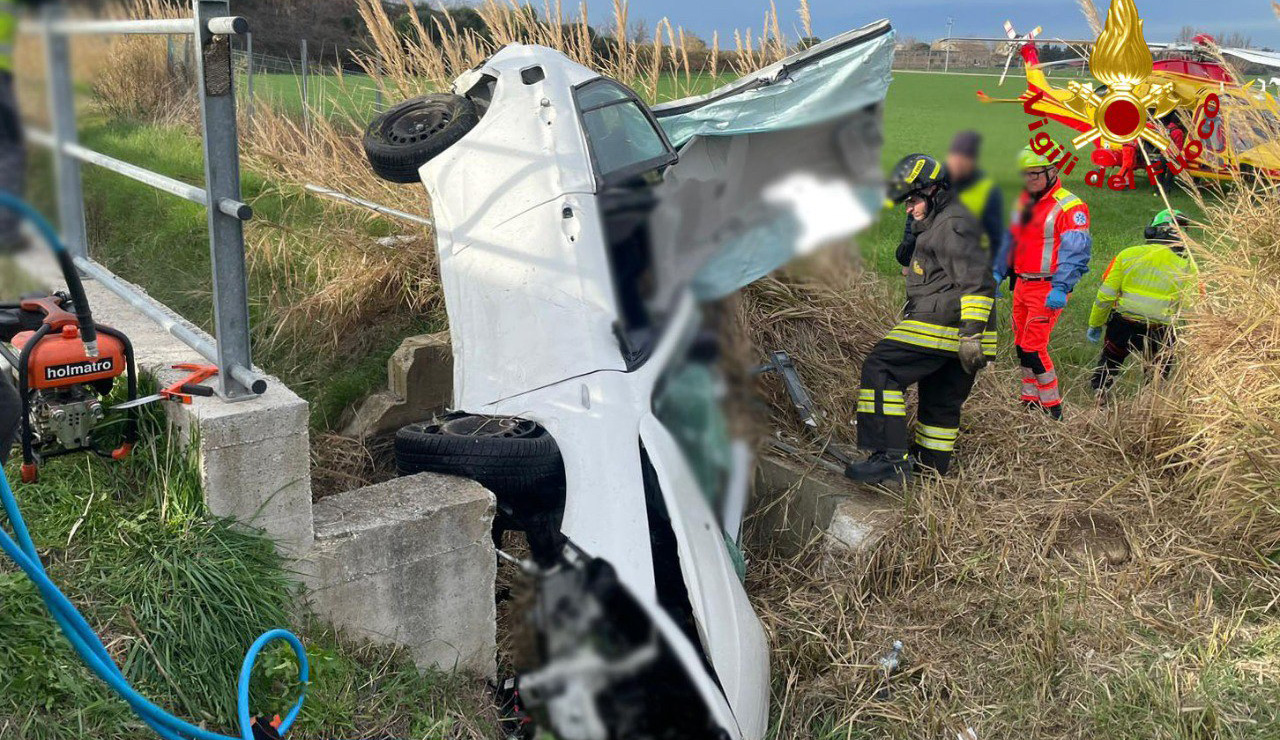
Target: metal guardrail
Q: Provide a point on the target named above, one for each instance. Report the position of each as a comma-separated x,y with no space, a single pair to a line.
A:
376,208
210,27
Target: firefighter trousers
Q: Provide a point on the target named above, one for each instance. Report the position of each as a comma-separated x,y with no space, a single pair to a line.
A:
1032,325
943,384
1125,336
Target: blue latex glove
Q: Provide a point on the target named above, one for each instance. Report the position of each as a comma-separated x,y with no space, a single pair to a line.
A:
995,274
1094,334
1057,299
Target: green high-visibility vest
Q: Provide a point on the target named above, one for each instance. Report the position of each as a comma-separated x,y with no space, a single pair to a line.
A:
1146,283
8,33
975,198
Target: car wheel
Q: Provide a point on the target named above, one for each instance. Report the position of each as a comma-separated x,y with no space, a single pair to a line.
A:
515,458
409,135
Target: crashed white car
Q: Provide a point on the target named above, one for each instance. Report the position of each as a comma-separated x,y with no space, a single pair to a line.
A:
578,232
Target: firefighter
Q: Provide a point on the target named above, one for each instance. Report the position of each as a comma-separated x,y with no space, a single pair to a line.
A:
978,192
1045,253
946,337
1138,299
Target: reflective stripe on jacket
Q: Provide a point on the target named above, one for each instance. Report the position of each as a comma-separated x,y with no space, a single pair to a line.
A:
1037,229
950,292
1146,283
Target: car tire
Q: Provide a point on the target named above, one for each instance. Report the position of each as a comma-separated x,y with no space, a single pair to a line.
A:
516,459
398,142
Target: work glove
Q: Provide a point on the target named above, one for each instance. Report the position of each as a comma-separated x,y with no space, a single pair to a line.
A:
1094,334
972,358
1057,299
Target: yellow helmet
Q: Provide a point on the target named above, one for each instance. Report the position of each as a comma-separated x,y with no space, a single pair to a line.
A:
1029,160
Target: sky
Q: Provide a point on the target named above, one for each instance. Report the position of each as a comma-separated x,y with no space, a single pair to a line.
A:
926,20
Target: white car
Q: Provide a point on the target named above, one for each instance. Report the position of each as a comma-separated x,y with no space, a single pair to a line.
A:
578,233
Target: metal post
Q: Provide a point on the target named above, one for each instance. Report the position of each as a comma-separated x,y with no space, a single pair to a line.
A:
248,42
62,109
946,67
306,109
377,91
215,79
168,57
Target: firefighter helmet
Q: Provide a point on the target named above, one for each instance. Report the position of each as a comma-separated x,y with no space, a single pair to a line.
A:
1029,160
915,173
1164,227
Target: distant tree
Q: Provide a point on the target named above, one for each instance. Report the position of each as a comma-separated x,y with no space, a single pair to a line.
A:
807,42
694,43
437,23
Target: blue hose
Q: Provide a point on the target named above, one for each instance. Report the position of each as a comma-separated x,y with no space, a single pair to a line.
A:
22,551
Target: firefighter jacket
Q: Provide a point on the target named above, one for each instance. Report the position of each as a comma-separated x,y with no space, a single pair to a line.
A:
983,198
1146,283
1048,238
950,291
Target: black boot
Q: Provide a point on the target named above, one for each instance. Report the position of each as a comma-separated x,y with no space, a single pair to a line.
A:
882,466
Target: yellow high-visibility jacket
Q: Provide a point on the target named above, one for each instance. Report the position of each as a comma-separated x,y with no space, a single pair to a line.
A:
8,33
1147,283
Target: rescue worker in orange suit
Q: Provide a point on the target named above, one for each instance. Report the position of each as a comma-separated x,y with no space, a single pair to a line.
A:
1045,254
946,337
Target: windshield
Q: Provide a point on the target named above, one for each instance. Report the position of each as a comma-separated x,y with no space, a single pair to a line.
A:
623,138
1250,127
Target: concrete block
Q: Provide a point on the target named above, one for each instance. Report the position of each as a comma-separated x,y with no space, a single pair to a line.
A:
799,505
420,385
410,562
254,455
858,523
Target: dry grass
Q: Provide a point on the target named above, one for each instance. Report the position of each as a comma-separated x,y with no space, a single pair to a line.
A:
137,81
1020,619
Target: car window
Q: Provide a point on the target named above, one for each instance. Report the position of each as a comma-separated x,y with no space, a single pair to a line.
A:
622,136
600,93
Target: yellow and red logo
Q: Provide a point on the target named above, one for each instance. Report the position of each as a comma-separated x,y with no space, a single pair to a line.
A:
1122,60
1128,107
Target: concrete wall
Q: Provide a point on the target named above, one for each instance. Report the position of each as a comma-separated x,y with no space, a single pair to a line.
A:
419,385
411,562
798,505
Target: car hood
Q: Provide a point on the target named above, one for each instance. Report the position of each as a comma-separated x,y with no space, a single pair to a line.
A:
773,165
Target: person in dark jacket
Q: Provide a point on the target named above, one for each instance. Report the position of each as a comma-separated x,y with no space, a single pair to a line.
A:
946,337
976,190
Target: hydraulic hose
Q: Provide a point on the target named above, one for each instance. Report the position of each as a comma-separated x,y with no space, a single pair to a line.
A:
88,330
91,651
86,643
